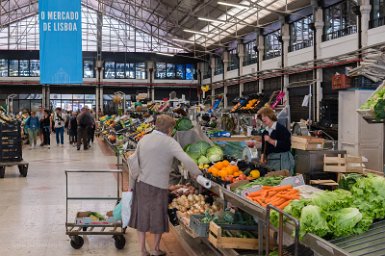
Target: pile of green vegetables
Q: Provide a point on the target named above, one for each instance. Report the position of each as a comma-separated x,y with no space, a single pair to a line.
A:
183,124
263,181
341,212
203,153
376,103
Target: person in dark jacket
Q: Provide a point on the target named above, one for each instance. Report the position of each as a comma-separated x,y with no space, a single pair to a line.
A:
85,121
73,129
46,124
33,124
276,142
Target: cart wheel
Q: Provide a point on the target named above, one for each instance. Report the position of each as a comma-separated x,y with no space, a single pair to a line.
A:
84,229
77,242
23,170
2,172
120,242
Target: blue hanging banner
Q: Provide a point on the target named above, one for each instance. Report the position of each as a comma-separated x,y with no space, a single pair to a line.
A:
60,26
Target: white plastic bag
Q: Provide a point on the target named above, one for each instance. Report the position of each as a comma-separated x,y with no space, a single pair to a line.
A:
126,207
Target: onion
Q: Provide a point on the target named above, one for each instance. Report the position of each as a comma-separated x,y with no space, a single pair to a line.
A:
172,188
190,198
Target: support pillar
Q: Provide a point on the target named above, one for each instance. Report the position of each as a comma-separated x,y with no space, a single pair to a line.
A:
317,92
241,57
261,54
365,9
225,65
285,32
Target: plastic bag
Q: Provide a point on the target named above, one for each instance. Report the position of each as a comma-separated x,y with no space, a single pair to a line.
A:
117,213
126,208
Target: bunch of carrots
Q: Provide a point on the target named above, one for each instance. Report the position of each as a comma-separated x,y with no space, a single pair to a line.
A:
279,197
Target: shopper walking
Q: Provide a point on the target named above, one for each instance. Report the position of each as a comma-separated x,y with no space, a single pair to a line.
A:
33,124
85,121
156,152
46,125
59,126
276,142
73,129
91,129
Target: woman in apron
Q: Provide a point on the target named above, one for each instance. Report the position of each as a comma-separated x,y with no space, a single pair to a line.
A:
276,142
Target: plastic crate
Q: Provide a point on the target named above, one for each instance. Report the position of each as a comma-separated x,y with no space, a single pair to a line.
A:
199,228
10,142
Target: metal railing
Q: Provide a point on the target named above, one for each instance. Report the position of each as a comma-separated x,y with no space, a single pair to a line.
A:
377,22
272,54
232,67
206,76
218,72
340,33
250,61
301,45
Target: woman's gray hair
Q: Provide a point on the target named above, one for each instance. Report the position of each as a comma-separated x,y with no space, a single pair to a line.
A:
164,123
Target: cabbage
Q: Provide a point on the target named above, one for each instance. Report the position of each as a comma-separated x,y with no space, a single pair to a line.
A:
312,221
198,149
215,154
183,124
203,160
333,200
343,221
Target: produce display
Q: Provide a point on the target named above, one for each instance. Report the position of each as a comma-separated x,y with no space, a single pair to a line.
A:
376,103
227,172
4,118
279,197
341,212
188,201
203,153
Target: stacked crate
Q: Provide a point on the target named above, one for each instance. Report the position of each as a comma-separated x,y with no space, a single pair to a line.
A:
10,142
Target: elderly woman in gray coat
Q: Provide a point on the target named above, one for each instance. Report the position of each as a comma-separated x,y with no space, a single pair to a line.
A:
156,152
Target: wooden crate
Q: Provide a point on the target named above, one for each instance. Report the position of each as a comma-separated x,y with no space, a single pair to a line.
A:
343,164
219,241
307,143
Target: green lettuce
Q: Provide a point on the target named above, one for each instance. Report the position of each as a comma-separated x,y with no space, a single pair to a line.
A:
333,200
344,221
313,221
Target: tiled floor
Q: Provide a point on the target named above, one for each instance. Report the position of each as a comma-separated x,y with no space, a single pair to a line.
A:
32,209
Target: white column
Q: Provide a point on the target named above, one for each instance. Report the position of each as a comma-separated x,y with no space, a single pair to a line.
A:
225,65
241,55
261,54
285,32
365,9
212,64
101,98
319,25
43,97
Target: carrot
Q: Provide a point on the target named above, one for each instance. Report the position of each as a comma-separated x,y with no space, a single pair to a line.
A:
264,193
267,187
283,205
271,193
254,193
289,197
274,201
282,188
258,201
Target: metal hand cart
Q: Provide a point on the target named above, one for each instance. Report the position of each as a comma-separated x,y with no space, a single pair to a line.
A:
11,148
76,229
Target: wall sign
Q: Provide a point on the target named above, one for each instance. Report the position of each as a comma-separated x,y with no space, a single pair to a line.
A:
60,42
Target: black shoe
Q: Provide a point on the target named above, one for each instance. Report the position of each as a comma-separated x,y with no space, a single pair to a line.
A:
78,148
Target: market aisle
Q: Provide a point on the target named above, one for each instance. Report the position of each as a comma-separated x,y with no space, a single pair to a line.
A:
32,209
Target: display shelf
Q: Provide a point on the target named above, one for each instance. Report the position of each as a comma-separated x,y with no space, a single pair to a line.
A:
237,138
